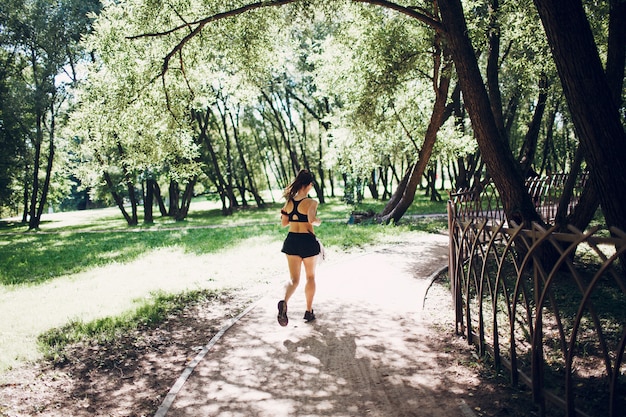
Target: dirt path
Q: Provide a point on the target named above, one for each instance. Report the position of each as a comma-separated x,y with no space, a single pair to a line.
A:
371,351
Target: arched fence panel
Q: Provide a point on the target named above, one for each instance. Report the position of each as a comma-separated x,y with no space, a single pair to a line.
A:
548,307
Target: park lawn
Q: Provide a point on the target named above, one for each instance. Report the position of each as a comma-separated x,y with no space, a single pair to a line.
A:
74,242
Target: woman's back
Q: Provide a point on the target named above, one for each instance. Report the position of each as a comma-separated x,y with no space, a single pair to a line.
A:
301,213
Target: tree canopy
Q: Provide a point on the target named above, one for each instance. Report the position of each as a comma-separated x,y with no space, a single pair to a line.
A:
234,98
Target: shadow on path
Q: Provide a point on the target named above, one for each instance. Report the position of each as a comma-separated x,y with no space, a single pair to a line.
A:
369,353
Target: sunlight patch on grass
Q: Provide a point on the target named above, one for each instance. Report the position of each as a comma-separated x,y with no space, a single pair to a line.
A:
110,290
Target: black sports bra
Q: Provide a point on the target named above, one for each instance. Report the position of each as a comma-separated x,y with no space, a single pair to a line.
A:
295,216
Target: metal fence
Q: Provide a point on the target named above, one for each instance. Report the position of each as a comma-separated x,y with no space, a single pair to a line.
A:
548,307
546,193
484,201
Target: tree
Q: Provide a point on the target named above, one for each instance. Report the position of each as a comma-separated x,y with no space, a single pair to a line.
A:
590,96
441,79
10,137
44,37
125,134
494,149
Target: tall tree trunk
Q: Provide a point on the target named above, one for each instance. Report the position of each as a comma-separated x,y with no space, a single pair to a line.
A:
463,168
441,83
442,172
385,179
277,160
39,197
511,111
33,221
548,143
493,68
119,200
229,187
130,186
244,165
529,147
280,126
174,197
396,197
373,185
132,197
331,181
431,185
320,168
302,138
616,54
494,149
568,192
264,164
203,120
184,202
586,208
159,198
292,131
25,198
589,199
590,100
317,113
48,177
148,201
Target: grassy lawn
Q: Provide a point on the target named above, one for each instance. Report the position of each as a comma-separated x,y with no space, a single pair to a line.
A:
61,249
87,274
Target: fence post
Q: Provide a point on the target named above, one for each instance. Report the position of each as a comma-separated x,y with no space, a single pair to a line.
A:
537,359
452,268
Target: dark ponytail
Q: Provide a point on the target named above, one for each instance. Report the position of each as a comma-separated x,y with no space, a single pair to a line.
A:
303,179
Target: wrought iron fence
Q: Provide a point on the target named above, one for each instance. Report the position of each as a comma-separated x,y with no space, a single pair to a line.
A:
549,307
546,193
484,200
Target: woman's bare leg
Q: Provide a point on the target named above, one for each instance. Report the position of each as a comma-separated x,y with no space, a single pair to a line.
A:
295,267
309,290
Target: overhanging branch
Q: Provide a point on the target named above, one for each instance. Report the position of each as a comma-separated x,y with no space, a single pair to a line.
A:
200,24
409,11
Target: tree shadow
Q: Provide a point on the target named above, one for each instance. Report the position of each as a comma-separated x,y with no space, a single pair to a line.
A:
356,361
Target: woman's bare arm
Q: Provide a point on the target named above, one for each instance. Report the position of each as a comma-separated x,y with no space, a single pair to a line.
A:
312,213
284,217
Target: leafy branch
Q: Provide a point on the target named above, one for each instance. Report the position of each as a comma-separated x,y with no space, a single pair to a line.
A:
197,26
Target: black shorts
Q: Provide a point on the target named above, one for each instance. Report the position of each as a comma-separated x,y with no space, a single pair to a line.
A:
304,245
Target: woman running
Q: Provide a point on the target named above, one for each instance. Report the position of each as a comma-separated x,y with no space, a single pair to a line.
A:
301,245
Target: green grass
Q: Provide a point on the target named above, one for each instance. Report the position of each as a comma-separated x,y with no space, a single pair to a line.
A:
148,314
34,258
421,205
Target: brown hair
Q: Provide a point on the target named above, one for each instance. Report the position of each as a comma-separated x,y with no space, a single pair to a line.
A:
303,179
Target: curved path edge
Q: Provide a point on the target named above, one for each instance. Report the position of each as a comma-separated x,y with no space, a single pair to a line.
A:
173,392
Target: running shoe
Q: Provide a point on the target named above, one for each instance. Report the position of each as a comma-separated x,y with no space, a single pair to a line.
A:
282,313
309,316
